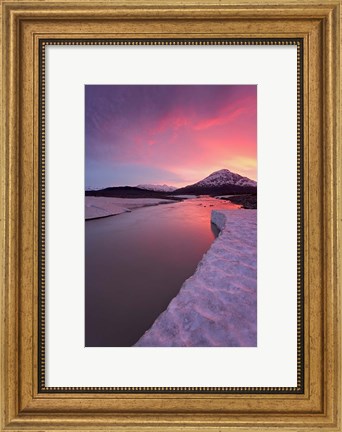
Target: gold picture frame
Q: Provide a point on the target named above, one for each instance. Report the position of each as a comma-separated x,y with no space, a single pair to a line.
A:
26,26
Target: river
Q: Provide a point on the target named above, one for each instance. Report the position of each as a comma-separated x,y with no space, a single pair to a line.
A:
135,263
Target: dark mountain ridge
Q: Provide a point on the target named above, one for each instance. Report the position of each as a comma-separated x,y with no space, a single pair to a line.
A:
222,182
128,192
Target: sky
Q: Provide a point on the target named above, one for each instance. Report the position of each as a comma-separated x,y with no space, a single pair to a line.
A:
168,134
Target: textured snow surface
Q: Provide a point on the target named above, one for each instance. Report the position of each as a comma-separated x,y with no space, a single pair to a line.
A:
97,207
158,188
225,177
217,306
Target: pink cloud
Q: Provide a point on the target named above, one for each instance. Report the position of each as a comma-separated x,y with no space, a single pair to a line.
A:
223,118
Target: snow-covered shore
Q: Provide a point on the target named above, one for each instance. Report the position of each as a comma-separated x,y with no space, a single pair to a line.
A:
217,306
99,207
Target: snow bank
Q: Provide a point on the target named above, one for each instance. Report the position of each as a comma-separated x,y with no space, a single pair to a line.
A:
217,306
97,207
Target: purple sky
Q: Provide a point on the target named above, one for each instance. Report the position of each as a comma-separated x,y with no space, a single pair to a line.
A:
173,134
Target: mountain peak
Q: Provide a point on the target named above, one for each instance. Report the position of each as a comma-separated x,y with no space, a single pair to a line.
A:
221,171
226,177
221,181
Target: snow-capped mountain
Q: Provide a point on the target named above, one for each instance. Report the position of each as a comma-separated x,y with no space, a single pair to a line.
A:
157,188
221,182
225,177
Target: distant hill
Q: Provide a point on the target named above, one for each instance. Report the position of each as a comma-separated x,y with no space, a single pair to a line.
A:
127,192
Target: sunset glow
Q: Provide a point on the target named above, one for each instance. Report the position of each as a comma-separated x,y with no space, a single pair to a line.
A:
168,134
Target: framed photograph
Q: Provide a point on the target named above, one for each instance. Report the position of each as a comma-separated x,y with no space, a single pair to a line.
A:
171,207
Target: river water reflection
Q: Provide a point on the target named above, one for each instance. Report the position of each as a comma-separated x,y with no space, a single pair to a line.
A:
135,263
